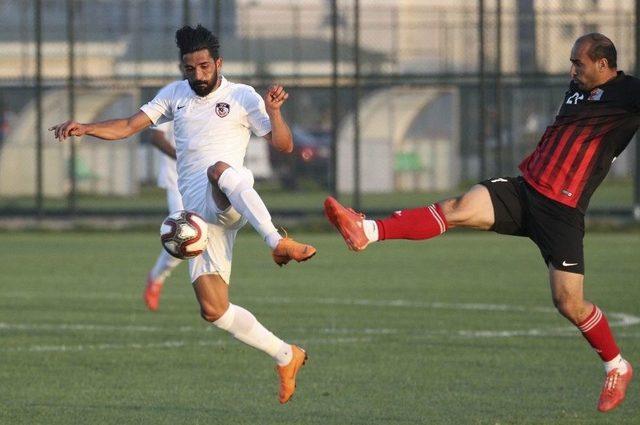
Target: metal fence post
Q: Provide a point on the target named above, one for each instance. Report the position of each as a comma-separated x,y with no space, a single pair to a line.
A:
217,10
71,199
186,12
39,109
333,170
498,92
636,180
481,93
356,106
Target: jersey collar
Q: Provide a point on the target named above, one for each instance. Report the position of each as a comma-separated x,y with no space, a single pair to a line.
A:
619,76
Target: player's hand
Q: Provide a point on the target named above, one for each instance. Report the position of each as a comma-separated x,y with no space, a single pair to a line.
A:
275,97
68,129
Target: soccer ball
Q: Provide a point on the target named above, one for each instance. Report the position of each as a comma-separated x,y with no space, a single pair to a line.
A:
184,234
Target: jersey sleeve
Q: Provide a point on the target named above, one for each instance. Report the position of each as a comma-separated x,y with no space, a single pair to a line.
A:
160,108
163,127
257,117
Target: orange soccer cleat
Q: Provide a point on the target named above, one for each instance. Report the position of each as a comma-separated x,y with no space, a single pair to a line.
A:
287,374
348,222
614,389
288,250
151,294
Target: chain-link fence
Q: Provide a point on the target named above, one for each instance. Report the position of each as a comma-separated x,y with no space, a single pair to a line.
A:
387,97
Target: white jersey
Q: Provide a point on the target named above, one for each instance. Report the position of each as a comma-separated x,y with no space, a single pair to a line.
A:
208,129
167,173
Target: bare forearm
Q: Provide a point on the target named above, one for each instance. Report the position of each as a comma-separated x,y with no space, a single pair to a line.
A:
107,130
110,130
281,137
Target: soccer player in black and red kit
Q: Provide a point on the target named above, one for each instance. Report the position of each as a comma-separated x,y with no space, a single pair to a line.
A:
599,115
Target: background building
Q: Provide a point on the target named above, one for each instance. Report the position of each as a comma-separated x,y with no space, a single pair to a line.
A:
395,65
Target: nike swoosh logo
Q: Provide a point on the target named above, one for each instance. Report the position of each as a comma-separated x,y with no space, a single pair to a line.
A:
565,264
180,107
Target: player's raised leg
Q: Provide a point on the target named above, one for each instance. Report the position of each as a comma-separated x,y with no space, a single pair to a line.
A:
232,188
473,210
212,293
567,292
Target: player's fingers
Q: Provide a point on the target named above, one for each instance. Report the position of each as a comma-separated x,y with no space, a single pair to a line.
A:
67,130
276,92
282,96
271,90
60,129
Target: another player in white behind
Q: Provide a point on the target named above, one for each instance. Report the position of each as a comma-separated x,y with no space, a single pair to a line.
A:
213,120
162,138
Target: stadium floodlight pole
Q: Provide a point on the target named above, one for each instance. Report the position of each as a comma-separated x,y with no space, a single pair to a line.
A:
39,108
481,92
356,106
636,183
71,199
333,170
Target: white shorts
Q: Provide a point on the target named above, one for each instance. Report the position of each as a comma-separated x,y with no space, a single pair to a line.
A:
223,227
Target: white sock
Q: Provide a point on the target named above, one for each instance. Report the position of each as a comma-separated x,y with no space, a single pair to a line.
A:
247,202
245,327
616,363
163,267
370,228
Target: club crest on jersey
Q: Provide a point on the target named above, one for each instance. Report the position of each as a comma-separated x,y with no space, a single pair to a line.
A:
222,109
595,94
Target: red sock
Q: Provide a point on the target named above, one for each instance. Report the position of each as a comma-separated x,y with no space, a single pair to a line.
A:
414,224
595,329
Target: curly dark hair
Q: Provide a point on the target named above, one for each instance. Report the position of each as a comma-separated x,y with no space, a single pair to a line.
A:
189,40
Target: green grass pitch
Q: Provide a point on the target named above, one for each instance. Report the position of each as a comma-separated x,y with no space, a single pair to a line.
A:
457,330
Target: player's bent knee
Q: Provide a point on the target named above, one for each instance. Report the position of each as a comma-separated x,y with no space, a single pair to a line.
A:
215,171
211,313
456,211
473,209
568,308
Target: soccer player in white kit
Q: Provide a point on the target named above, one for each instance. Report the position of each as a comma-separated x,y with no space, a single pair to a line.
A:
213,119
162,138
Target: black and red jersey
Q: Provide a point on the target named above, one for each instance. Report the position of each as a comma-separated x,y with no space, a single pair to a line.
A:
591,129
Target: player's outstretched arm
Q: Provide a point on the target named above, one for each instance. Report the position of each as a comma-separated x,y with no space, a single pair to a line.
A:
280,136
108,130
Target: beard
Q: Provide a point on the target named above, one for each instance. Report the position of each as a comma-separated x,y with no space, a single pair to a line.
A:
203,88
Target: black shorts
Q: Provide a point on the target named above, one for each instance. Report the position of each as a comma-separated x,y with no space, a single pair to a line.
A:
557,230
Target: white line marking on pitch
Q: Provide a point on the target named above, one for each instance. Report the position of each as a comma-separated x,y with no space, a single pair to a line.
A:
301,301
616,320
167,344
